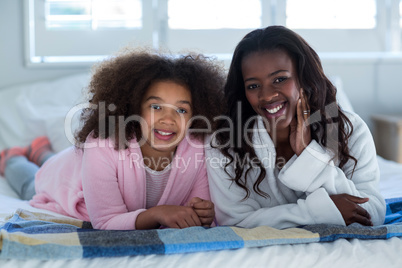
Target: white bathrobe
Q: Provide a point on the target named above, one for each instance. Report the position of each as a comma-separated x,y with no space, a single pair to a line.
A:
299,193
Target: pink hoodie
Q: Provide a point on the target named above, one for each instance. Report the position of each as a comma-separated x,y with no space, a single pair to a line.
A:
108,187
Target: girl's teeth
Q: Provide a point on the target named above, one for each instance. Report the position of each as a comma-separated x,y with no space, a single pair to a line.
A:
164,133
274,110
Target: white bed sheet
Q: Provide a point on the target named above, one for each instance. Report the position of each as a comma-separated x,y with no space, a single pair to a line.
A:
341,253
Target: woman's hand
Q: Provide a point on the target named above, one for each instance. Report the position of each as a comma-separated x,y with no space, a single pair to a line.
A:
350,209
169,216
300,135
204,209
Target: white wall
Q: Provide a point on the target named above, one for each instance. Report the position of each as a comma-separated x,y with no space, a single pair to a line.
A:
373,84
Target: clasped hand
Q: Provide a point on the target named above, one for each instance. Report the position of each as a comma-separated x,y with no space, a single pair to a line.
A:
349,206
197,212
204,209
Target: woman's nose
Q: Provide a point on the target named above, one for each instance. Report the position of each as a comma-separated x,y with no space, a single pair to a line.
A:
267,94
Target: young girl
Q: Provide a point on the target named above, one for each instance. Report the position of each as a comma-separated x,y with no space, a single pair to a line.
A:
139,161
289,155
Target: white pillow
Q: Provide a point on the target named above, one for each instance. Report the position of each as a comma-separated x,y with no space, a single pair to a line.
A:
11,123
49,112
39,109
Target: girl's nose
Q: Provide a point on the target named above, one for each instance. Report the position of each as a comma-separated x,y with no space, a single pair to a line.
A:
168,117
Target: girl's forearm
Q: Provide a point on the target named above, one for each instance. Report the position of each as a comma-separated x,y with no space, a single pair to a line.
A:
147,220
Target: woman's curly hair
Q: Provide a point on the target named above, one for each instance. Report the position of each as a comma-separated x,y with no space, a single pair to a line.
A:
332,130
119,83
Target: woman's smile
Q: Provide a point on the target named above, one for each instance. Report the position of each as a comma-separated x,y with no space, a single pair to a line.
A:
274,110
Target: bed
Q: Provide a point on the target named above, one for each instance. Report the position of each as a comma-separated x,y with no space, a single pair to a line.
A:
31,237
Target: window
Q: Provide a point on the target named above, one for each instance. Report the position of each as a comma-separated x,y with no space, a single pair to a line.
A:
336,14
358,26
209,26
400,14
93,14
82,31
240,15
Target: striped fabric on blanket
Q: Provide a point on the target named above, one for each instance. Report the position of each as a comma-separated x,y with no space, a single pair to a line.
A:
394,210
29,235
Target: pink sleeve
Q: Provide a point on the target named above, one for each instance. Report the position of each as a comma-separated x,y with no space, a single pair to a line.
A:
104,200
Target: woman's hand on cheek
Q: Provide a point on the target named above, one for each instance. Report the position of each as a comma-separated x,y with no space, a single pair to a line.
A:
300,135
204,209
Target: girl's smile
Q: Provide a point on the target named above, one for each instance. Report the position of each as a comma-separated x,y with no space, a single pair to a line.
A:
164,134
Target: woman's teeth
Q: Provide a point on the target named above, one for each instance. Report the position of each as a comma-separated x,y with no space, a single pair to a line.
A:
274,110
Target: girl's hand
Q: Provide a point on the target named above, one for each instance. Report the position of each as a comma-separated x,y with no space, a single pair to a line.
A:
349,207
204,209
169,216
300,135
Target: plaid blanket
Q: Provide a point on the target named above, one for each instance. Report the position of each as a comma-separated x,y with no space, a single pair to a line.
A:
28,235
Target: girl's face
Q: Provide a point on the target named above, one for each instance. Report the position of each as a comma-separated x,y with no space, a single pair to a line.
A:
271,86
166,109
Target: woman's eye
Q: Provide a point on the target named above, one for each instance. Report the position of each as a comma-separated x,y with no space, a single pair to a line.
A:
252,86
155,106
280,79
181,111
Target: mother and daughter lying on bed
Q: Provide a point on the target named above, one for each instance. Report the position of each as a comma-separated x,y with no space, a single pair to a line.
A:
166,142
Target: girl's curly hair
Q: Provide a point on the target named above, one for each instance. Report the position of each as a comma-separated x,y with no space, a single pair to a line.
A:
333,130
119,83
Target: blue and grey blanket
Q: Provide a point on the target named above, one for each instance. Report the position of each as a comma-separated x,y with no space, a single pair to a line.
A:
29,235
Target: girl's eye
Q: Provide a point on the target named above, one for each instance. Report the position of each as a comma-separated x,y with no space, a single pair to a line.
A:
252,86
280,79
156,106
181,111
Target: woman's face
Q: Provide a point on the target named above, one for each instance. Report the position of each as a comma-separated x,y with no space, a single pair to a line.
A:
166,109
271,87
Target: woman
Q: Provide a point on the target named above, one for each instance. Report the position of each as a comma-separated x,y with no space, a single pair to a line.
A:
288,155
